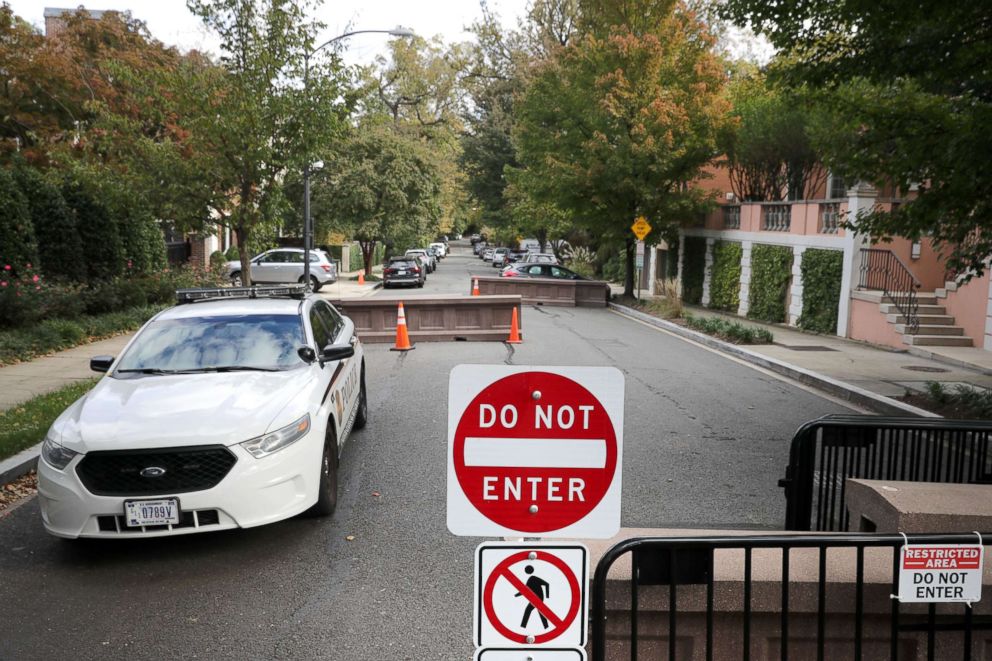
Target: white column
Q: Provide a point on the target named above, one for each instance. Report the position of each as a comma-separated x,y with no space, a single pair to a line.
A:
860,198
678,273
707,272
796,291
650,259
745,292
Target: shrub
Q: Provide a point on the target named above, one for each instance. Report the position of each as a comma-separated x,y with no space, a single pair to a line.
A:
142,239
725,276
60,250
101,239
18,246
731,331
693,269
232,254
822,270
218,262
581,261
771,271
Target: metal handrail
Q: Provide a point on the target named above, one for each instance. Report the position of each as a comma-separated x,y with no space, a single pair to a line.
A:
883,270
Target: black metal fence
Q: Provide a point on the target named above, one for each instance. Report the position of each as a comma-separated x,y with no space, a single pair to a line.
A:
882,270
779,611
827,451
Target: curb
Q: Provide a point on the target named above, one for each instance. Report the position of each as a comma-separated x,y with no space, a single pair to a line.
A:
953,362
20,464
845,391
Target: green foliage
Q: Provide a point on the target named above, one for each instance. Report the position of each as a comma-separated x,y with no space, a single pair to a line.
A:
60,251
142,238
693,269
731,331
18,247
98,230
218,261
964,402
26,424
771,272
822,270
232,254
725,276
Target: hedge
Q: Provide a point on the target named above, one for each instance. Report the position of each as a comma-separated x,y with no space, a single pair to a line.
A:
98,229
18,247
61,251
693,269
821,271
771,271
725,276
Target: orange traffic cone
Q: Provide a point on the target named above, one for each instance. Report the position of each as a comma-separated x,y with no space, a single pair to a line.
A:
514,330
475,286
402,338
361,277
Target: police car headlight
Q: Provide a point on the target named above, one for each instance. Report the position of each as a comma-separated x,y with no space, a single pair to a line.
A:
265,445
53,452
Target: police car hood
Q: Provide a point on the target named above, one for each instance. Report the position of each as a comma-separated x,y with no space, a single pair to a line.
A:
157,411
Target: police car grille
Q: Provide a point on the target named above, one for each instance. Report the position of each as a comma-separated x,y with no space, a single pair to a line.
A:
119,472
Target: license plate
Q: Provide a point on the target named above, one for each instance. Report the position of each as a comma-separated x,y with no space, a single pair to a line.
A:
401,273
151,512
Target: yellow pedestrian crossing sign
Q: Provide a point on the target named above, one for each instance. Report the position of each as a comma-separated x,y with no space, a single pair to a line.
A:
640,228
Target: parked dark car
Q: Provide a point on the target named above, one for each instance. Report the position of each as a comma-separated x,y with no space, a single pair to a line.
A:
540,271
516,255
403,271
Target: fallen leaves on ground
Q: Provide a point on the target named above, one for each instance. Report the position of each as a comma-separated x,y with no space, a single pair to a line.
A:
20,488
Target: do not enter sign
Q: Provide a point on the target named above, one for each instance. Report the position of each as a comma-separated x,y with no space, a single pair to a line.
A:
534,451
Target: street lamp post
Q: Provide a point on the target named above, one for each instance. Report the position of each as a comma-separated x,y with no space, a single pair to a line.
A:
307,222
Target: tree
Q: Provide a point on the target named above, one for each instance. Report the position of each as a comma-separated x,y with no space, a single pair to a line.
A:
18,247
98,230
60,251
378,186
911,93
621,119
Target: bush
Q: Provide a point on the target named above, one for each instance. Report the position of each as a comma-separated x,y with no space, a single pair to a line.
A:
822,270
693,269
731,331
725,276
771,271
60,250
18,246
142,239
581,261
232,254
101,239
218,262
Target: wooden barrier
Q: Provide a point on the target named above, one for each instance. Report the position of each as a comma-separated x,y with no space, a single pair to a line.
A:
433,318
548,291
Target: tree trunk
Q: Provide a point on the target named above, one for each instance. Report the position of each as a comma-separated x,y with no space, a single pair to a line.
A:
542,237
628,277
368,250
241,232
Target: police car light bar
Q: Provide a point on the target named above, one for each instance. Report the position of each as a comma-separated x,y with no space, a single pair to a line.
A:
193,295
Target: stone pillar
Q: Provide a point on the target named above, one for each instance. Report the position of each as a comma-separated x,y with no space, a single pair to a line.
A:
987,345
796,291
707,269
860,198
745,292
650,260
678,273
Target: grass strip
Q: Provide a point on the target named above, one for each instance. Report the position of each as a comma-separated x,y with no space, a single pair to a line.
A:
26,424
50,335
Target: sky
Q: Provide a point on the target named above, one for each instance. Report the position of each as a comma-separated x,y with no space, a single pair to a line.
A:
172,23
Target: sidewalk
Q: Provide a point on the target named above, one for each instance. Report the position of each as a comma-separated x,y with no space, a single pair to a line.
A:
863,367
21,382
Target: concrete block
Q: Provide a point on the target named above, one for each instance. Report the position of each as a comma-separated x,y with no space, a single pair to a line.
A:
894,506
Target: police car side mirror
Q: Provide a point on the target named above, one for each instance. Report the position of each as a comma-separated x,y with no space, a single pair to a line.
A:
307,354
338,351
101,363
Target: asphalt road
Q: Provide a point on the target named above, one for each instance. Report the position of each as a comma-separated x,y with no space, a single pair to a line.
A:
706,438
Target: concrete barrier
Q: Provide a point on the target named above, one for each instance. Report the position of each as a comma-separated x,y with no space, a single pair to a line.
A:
434,318
548,291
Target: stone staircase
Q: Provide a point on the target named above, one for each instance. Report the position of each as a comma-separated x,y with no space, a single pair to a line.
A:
937,328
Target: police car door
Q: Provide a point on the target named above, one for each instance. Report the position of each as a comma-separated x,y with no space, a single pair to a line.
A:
347,383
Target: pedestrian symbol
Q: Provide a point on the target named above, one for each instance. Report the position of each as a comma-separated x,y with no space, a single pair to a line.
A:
530,594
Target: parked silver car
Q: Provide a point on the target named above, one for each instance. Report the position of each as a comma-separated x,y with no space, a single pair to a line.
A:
538,258
283,265
431,259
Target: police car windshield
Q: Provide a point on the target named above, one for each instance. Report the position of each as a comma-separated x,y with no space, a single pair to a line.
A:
226,343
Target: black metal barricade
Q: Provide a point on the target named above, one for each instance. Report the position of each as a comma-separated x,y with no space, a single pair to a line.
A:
671,576
827,451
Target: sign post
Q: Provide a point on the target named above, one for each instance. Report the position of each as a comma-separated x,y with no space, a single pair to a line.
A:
640,228
534,451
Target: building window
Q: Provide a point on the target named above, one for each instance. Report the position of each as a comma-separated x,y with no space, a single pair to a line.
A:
836,188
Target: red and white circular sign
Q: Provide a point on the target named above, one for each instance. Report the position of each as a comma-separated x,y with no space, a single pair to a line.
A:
535,452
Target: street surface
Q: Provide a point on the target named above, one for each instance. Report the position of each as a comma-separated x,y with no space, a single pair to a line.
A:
705,440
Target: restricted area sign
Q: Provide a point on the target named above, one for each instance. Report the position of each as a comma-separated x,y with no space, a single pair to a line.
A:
530,595
937,573
640,228
518,654
534,451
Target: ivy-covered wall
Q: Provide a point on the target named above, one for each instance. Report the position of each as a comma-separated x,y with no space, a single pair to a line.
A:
725,276
821,271
771,270
693,269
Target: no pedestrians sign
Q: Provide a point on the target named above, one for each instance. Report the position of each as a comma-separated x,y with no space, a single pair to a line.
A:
534,451
531,595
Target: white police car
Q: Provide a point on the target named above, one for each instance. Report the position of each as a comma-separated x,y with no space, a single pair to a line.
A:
229,410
